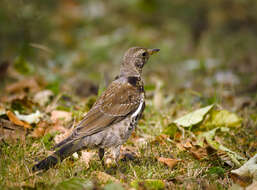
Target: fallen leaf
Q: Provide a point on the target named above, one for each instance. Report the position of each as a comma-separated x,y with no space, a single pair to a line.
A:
184,145
38,132
11,131
161,139
187,144
242,181
171,162
28,83
13,97
246,172
194,117
198,152
12,117
43,97
31,118
40,129
223,118
209,137
58,115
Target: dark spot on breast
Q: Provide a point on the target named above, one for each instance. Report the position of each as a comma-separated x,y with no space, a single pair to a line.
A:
130,97
133,80
141,89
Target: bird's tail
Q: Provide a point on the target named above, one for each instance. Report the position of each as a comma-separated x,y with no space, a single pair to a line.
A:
59,155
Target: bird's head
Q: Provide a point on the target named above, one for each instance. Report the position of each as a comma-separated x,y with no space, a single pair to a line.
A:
134,60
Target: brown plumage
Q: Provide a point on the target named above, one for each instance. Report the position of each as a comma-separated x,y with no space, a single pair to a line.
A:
114,115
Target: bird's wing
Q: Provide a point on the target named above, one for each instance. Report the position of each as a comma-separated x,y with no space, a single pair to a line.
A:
113,105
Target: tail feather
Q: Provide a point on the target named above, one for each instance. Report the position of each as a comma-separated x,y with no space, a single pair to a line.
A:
56,157
45,164
65,141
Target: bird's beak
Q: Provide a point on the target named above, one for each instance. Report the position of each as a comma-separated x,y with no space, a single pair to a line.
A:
152,51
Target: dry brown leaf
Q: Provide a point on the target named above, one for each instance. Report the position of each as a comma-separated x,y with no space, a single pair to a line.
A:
39,131
171,162
161,139
10,98
243,181
198,152
247,173
10,131
188,144
12,117
29,83
62,116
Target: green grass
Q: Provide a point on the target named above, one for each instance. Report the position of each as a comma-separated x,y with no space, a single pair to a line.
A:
17,159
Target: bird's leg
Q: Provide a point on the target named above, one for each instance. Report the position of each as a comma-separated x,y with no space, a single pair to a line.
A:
101,155
116,154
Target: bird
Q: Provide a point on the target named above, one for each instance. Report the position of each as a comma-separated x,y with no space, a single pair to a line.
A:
113,116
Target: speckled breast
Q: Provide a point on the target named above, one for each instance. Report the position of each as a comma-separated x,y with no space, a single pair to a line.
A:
118,133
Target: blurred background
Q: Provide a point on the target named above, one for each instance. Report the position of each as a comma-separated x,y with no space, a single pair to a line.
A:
205,45
56,56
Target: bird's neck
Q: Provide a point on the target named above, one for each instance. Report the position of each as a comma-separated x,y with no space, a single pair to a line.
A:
128,68
130,74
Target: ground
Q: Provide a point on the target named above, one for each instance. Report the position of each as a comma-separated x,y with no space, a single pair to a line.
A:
200,121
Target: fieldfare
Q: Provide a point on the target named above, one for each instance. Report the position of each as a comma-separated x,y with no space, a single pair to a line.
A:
113,117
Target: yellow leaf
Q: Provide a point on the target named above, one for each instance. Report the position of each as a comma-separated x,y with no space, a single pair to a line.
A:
224,118
194,117
169,161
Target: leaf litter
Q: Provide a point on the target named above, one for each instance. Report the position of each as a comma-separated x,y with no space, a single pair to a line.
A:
171,162
202,129
246,175
210,118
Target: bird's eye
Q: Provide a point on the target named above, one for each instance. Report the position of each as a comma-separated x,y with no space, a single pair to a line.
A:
144,54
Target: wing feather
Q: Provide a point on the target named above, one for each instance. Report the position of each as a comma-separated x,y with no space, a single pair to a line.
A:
119,100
